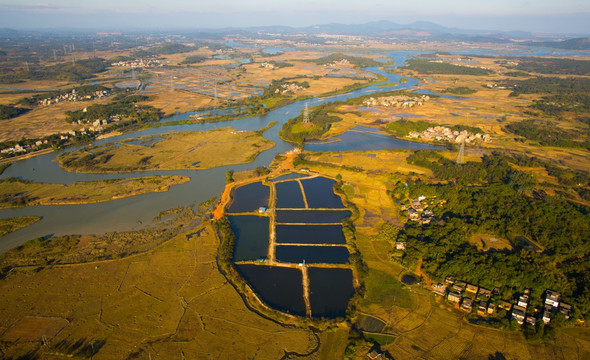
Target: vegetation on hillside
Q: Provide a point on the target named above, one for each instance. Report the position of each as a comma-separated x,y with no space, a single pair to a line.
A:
494,198
552,66
430,67
76,71
546,133
354,60
539,85
10,111
123,105
460,90
320,120
194,59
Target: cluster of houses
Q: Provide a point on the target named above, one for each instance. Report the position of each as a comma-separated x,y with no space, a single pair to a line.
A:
19,149
267,65
442,133
338,63
399,101
73,96
461,60
139,63
288,88
417,211
468,297
98,125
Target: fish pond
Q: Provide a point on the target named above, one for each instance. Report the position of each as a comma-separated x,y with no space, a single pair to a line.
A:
279,287
276,248
330,291
249,198
311,216
251,237
309,234
312,254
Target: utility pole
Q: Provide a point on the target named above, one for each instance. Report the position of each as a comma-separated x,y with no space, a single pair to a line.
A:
461,155
306,115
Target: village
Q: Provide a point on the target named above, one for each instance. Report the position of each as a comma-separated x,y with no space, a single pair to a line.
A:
419,212
139,63
442,133
467,297
73,96
289,88
398,101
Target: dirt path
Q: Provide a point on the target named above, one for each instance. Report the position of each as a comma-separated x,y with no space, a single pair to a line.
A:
420,273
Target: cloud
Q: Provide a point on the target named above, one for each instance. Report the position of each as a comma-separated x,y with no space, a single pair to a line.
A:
37,7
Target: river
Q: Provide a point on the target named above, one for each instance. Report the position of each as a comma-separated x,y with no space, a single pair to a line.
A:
138,211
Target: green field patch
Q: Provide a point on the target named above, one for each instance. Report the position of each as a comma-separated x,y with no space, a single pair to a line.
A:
381,339
370,324
386,290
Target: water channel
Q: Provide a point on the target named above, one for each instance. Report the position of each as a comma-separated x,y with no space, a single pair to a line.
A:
138,211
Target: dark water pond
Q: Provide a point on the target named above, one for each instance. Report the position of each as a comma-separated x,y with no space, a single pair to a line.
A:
312,254
311,216
289,176
289,195
330,291
251,237
310,234
410,279
280,288
319,192
364,141
250,198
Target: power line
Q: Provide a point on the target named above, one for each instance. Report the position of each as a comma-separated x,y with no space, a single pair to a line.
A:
306,114
461,155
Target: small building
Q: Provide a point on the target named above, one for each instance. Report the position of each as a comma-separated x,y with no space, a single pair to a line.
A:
482,308
467,304
523,301
374,355
565,309
440,289
491,308
262,209
505,305
546,317
454,297
518,314
531,320
459,286
472,288
400,245
450,280
485,292
552,298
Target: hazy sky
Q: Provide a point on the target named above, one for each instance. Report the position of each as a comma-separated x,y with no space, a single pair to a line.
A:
564,16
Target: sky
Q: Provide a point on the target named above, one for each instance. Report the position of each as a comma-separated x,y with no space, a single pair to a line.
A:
544,16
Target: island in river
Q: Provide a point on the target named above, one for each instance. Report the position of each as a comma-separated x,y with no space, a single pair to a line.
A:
171,151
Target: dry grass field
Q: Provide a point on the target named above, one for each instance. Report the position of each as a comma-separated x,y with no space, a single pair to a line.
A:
32,194
170,302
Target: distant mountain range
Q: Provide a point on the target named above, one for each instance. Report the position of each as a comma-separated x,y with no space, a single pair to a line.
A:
426,30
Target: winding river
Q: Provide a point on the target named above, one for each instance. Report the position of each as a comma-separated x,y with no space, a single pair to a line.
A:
138,211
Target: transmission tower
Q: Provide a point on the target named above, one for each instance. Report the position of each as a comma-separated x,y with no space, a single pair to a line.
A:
306,114
461,155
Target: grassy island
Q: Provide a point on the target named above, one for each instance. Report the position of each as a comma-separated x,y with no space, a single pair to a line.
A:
173,151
